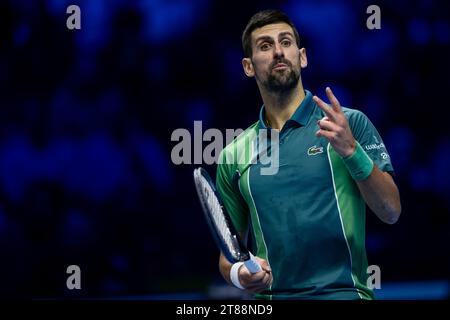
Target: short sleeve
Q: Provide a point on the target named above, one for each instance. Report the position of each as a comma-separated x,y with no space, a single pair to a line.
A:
231,197
368,137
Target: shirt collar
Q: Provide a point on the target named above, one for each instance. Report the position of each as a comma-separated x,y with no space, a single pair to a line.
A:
300,116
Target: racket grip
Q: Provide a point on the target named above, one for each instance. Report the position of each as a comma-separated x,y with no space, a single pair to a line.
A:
252,265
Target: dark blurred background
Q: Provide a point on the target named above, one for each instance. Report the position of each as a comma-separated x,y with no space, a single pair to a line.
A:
86,119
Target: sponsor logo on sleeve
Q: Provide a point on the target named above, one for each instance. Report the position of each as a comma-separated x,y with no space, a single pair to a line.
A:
374,146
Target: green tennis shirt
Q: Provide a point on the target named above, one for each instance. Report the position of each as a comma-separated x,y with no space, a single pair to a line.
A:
308,219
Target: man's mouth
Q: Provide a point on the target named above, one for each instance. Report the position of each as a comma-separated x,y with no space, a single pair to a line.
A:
280,66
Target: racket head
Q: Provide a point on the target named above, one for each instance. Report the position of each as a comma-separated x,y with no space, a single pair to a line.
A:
218,219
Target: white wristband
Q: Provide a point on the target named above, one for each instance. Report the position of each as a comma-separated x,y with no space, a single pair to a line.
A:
234,275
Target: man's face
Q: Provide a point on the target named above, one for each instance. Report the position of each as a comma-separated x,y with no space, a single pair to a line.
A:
276,60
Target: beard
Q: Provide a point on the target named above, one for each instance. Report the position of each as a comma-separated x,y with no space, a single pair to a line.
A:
283,81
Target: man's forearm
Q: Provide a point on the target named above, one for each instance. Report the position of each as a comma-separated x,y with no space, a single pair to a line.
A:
225,267
381,195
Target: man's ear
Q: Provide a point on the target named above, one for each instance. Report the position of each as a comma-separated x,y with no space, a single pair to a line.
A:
248,67
303,58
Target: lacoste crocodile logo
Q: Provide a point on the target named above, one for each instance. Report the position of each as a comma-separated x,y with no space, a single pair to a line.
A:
315,150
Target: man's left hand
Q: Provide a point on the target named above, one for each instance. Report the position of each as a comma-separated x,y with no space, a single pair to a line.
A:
334,126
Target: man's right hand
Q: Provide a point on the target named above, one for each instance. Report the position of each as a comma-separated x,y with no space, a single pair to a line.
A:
256,282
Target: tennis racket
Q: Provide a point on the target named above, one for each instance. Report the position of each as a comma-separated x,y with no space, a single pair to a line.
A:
220,224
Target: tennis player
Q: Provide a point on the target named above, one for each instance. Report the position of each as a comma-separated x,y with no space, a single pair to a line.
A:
306,223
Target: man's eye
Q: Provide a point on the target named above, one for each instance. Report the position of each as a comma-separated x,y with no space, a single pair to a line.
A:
286,43
265,46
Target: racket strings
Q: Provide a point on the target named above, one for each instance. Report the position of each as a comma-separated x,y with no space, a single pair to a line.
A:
217,214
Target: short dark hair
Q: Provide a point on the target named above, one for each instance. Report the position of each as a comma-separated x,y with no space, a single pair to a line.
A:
260,20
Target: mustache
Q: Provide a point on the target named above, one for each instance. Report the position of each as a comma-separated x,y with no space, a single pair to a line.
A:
284,61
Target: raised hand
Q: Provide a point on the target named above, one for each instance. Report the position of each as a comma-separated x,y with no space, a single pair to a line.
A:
334,126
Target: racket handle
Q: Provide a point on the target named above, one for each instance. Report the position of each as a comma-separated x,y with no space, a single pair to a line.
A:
252,265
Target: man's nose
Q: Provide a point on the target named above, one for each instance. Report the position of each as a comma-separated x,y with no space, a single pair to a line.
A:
278,50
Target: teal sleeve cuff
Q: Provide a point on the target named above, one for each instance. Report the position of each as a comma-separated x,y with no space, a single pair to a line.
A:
359,164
